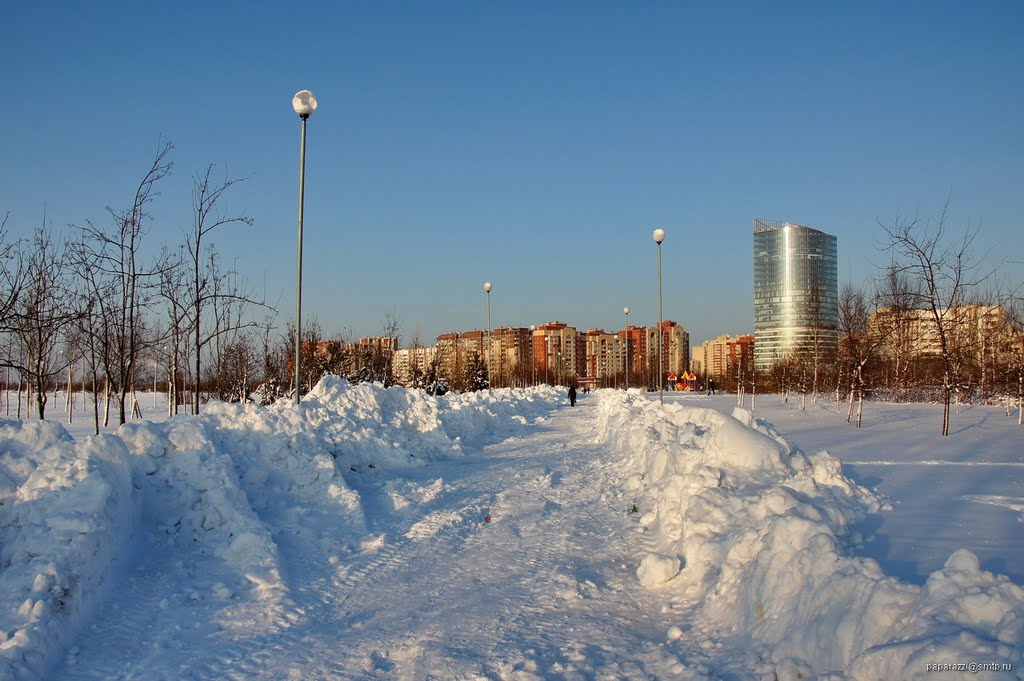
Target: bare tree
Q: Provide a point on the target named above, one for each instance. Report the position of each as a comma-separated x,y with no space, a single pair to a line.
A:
11,276
229,323
817,349
898,295
43,312
858,343
316,356
113,257
274,362
391,333
435,382
173,288
946,269
415,370
209,285
92,302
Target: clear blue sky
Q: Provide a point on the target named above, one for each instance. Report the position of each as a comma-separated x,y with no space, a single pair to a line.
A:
532,144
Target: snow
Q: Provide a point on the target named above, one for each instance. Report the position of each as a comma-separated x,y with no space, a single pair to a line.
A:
765,533
385,533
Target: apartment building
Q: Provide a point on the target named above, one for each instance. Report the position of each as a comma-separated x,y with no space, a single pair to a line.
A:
458,348
604,357
511,349
675,347
635,352
913,333
412,362
557,353
719,357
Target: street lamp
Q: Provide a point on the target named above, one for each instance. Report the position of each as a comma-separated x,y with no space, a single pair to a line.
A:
626,330
304,103
659,236
487,290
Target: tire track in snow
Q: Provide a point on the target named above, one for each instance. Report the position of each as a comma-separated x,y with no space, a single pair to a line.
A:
554,611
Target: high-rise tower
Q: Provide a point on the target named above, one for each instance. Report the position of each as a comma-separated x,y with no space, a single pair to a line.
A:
796,300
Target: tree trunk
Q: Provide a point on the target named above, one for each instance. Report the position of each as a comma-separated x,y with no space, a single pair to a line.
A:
70,398
195,407
946,398
41,402
860,394
95,404
814,387
106,403
853,389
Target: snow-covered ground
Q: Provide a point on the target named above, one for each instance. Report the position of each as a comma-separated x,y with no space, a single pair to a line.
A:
963,491
378,534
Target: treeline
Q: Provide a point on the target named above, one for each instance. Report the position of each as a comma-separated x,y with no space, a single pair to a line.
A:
88,309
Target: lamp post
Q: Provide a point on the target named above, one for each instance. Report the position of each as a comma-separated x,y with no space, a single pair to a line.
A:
659,236
487,290
304,103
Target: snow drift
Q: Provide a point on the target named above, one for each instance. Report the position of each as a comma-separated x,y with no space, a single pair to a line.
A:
66,510
759,534
70,511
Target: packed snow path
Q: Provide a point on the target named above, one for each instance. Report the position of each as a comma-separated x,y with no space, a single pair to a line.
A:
544,589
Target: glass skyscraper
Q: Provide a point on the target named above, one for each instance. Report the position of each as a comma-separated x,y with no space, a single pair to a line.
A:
796,299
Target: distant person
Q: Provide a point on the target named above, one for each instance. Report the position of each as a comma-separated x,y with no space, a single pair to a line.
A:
711,387
572,396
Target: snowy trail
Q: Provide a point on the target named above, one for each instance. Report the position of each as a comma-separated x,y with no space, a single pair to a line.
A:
546,589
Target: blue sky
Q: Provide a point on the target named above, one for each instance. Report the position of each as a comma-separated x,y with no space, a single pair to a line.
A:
532,144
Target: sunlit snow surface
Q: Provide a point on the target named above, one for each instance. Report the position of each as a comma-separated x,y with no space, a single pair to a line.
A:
378,534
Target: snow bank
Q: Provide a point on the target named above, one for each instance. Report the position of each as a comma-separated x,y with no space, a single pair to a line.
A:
761,531
66,511
221,484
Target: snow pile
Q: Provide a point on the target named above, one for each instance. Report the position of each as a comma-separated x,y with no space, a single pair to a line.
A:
760,534
222,484
66,510
192,489
366,423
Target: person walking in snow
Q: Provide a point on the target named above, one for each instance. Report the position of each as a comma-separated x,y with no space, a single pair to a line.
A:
711,387
572,396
